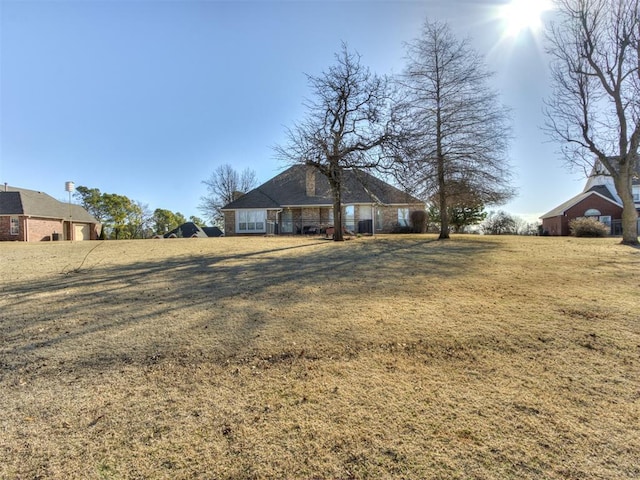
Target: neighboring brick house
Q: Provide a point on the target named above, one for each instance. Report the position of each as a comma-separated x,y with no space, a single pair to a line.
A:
31,216
598,200
299,201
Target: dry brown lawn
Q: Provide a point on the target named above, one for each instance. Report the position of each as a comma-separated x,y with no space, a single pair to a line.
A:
395,357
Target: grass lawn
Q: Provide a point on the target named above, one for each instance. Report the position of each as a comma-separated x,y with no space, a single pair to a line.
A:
395,357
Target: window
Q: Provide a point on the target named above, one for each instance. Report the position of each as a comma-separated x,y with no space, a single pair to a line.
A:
350,218
592,212
606,219
15,226
287,221
403,217
379,218
251,221
636,193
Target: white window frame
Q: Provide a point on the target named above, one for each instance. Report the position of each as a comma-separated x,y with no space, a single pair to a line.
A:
14,228
379,216
350,217
403,216
606,220
251,221
636,193
286,217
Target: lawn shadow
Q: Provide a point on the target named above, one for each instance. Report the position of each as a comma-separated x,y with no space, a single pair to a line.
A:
204,306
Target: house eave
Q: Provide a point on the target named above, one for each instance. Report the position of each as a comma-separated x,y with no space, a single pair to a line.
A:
322,205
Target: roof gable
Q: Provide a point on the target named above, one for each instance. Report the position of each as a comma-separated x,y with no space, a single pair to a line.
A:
289,189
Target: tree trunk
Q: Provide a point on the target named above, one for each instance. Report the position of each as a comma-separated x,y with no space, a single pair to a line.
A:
442,188
629,213
335,181
442,196
337,221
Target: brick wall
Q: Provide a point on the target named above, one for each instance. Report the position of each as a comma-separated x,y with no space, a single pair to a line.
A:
31,229
42,229
229,224
310,216
390,217
325,216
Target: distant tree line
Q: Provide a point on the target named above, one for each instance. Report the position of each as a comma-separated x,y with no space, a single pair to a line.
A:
503,223
123,218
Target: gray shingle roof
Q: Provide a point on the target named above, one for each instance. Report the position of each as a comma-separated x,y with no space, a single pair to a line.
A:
604,191
190,229
20,201
288,189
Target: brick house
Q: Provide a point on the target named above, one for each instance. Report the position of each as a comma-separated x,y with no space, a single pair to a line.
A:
31,216
598,200
299,201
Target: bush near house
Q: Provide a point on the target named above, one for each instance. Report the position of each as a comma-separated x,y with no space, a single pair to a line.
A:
587,227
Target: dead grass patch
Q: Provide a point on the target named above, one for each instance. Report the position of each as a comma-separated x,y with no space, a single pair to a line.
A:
264,358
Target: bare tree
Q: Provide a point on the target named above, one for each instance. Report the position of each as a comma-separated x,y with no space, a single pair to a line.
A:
346,127
456,131
140,219
595,107
223,186
500,223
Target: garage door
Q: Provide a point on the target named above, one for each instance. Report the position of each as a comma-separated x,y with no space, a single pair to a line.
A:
82,232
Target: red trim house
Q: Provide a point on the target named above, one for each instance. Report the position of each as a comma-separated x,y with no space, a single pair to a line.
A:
598,200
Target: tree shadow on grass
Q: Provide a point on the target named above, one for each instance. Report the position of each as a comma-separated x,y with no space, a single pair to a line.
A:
207,307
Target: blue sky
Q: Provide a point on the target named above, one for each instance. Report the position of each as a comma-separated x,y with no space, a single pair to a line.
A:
146,98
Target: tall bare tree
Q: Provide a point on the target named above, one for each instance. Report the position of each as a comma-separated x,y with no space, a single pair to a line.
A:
595,107
346,127
456,130
224,184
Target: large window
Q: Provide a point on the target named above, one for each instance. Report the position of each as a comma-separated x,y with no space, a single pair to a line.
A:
251,221
636,193
379,218
403,217
15,226
350,218
287,221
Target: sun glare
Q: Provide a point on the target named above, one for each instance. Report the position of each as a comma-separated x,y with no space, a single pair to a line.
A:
523,15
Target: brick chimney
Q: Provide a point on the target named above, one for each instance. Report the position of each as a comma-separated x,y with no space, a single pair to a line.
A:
236,194
311,181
